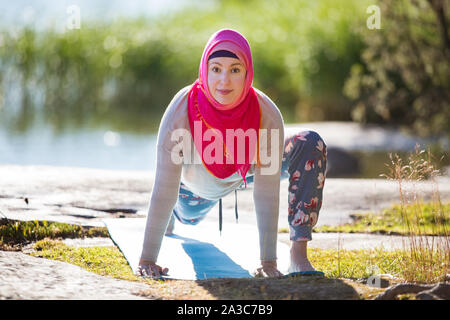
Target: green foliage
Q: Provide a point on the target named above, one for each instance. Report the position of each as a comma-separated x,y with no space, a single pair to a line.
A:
404,76
356,264
362,264
428,217
21,232
124,74
106,261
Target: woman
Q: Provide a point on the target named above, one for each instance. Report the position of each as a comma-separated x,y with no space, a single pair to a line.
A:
221,99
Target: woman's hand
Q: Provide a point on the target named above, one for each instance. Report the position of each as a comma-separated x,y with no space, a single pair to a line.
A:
150,269
268,269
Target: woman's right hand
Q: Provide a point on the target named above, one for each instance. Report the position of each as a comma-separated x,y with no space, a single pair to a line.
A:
150,269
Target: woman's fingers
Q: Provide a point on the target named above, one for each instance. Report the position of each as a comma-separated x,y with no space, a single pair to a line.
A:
258,273
273,273
143,271
165,271
279,274
158,271
267,272
153,271
268,269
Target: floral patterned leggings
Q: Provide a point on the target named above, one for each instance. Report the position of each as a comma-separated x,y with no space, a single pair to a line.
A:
304,163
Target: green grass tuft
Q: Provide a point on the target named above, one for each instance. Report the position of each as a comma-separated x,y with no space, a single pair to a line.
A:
397,221
350,264
14,233
105,261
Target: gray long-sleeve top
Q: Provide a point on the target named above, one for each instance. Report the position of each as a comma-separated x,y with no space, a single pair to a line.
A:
194,175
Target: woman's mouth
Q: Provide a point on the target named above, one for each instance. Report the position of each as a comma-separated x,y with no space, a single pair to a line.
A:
224,92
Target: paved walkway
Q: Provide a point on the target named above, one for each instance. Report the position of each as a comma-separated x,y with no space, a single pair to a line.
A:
358,241
86,196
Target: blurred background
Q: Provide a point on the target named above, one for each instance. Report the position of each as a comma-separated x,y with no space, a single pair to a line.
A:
85,83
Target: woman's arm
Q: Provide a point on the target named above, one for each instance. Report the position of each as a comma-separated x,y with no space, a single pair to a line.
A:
266,196
163,199
266,193
166,185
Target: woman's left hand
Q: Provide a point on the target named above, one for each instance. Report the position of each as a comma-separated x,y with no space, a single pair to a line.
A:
268,269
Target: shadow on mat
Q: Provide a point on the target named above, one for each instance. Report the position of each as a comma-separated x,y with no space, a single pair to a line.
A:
210,262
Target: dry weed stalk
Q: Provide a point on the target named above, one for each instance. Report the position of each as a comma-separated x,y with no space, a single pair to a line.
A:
426,258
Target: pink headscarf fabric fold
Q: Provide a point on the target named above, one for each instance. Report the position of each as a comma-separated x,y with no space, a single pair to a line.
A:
244,113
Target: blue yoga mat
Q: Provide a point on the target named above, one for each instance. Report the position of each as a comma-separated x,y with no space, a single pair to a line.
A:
197,252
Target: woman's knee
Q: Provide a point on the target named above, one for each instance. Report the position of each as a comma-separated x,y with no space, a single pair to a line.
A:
307,140
313,139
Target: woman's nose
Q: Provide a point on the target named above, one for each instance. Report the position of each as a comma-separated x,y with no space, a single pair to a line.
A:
225,77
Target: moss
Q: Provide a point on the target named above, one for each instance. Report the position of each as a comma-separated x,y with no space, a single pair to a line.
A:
18,233
106,261
421,219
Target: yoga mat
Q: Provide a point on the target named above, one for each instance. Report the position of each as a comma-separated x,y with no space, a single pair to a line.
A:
197,252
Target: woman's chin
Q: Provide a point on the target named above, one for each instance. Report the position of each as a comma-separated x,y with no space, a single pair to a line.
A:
224,101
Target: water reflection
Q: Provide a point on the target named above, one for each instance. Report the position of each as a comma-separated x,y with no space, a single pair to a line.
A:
120,150
90,148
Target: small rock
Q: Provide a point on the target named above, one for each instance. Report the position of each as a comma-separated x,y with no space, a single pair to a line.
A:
341,163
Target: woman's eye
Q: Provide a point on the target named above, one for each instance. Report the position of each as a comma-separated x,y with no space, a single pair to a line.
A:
236,70
215,69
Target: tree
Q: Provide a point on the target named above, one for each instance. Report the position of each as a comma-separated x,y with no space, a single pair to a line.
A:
404,77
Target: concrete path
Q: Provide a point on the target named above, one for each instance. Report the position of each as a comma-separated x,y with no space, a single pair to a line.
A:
360,241
86,196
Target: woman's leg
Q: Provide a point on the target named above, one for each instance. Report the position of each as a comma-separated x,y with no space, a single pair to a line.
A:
304,163
189,209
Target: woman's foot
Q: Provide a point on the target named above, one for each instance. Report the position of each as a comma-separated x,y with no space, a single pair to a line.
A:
300,266
299,259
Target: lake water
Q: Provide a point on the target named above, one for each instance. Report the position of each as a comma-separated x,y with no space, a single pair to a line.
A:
103,149
106,149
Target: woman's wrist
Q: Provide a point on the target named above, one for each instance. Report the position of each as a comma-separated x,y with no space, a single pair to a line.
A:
145,261
269,263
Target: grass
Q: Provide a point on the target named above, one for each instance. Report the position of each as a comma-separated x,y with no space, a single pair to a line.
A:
15,234
424,256
355,265
394,220
105,261
109,261
346,273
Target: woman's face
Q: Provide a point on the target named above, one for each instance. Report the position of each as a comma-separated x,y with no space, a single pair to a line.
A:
226,79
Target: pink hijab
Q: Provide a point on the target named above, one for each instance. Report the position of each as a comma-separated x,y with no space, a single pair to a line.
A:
244,113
